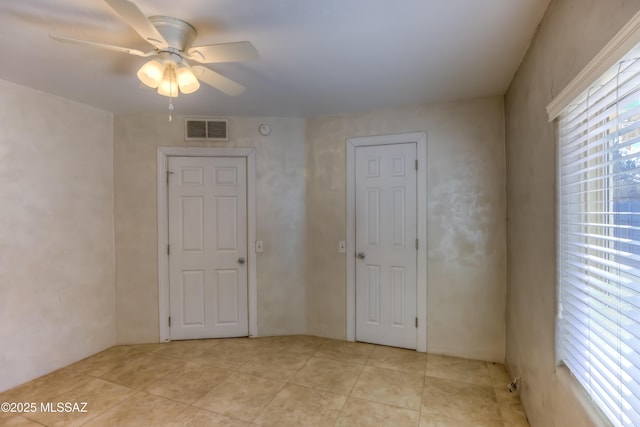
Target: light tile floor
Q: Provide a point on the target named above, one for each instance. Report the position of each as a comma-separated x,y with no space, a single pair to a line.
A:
277,381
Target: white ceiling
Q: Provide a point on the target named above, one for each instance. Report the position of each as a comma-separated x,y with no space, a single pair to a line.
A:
317,56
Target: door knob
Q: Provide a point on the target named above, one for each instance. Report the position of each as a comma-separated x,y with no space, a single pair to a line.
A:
241,260
361,255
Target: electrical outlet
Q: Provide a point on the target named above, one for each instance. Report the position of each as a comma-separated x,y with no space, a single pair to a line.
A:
342,246
259,246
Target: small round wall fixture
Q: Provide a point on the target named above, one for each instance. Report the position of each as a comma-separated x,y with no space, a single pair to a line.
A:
264,130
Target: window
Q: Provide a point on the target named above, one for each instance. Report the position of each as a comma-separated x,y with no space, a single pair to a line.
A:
598,336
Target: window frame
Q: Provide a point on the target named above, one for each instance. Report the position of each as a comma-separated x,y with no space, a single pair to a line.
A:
627,40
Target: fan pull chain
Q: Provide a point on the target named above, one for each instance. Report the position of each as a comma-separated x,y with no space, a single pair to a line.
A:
170,99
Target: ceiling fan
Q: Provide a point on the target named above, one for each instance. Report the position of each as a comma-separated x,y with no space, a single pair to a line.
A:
172,40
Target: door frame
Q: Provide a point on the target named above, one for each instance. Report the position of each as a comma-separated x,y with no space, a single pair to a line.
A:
420,139
163,154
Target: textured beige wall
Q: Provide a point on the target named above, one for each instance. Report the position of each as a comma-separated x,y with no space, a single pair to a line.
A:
56,233
280,164
466,224
571,34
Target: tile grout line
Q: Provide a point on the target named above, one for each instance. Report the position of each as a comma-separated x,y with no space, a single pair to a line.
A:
143,389
237,370
54,398
423,380
349,395
276,394
191,405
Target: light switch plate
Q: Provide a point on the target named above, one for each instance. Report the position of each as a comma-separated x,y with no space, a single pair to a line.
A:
259,246
342,246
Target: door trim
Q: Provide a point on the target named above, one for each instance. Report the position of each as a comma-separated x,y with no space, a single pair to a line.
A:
163,153
420,139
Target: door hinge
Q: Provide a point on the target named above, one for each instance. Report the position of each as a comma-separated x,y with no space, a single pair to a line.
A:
416,165
416,322
169,321
168,249
168,173
416,244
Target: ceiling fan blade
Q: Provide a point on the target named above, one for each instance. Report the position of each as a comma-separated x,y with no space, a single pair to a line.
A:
218,81
130,13
103,46
225,52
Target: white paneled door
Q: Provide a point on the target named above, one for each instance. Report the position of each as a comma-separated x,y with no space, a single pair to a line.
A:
386,244
208,247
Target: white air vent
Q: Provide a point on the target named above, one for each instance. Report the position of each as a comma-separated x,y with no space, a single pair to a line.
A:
203,129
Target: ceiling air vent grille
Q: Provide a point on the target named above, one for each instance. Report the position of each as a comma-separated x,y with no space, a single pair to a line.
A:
203,129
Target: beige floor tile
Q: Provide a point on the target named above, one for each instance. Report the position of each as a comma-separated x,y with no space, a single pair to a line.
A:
399,359
184,349
99,395
224,354
499,375
511,408
335,376
460,400
153,384
275,365
46,388
296,343
353,352
105,361
16,420
430,420
195,417
251,344
240,396
188,383
143,348
140,410
301,406
143,369
514,419
363,413
454,368
396,388
504,398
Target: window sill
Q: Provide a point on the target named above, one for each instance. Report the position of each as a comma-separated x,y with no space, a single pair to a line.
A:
573,387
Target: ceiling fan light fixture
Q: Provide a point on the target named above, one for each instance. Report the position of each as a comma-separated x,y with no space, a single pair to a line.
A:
168,86
172,40
151,73
187,81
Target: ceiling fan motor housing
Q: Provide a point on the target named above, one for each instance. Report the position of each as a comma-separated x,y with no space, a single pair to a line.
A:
168,57
179,35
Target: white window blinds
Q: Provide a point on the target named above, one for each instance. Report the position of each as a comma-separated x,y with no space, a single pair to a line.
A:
598,336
